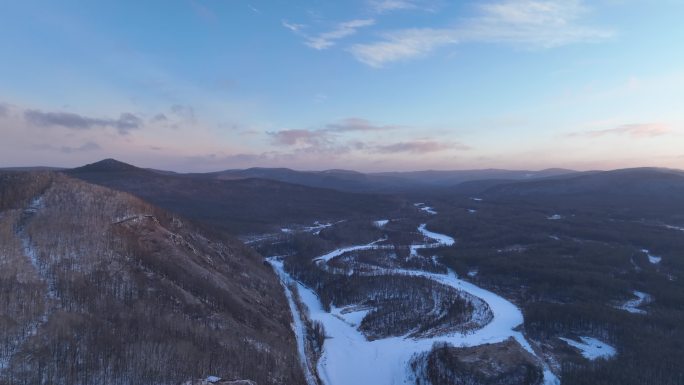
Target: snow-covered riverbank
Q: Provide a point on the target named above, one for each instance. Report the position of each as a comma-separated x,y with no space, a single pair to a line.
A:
297,324
337,252
349,358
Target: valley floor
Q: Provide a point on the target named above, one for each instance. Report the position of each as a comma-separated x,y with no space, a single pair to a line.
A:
349,358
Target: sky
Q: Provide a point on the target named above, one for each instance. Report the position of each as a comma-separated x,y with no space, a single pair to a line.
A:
369,85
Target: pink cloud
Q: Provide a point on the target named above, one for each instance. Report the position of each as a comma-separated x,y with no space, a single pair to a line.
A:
645,130
421,147
357,124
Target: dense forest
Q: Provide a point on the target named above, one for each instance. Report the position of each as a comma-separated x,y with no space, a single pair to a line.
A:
570,269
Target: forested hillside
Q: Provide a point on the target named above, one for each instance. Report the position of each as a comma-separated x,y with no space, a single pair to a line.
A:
97,286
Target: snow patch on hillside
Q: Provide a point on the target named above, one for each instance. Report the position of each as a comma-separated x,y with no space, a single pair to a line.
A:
13,345
317,227
425,208
633,305
29,250
381,223
653,259
313,229
591,348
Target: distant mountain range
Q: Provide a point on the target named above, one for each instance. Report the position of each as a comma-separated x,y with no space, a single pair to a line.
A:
342,180
381,182
645,182
641,191
262,199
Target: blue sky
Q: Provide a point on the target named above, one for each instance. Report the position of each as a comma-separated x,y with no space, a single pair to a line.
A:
197,85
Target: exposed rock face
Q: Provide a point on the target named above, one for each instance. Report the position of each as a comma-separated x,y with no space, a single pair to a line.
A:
505,363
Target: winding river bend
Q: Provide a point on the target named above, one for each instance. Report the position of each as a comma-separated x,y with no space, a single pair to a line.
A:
349,358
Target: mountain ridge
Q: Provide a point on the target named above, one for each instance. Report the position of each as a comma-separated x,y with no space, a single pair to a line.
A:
107,288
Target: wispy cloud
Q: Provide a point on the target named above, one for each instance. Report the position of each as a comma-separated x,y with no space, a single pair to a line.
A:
357,124
124,124
184,112
391,5
341,137
403,44
323,140
643,130
421,147
526,23
533,23
386,6
294,27
161,117
328,39
327,134
298,137
177,116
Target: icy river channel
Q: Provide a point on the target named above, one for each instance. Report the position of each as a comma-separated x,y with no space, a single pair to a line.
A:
349,358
